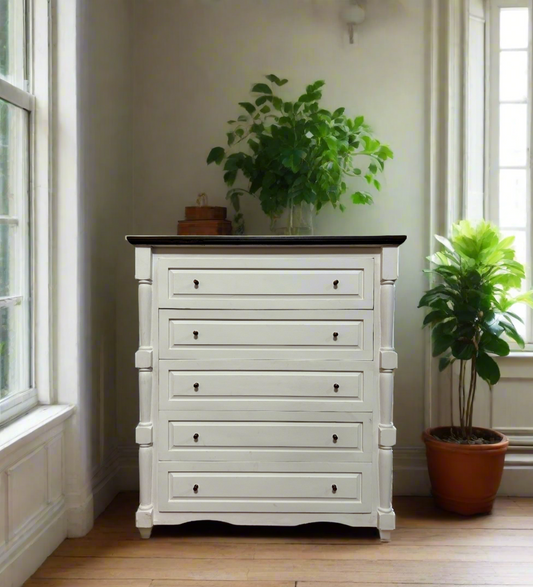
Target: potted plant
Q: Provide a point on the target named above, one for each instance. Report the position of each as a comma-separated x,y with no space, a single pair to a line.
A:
471,320
297,156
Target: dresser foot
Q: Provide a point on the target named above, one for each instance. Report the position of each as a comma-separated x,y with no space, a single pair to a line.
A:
385,535
145,533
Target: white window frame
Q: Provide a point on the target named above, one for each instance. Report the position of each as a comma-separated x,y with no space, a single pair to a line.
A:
36,101
493,135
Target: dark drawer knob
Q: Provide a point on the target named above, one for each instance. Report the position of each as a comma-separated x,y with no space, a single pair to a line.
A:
336,284
196,284
195,333
334,488
336,387
196,437
335,335
335,438
196,386
195,489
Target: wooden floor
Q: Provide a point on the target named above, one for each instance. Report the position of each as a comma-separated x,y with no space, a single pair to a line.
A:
428,548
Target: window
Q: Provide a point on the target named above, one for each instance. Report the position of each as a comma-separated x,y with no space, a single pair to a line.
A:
23,165
509,171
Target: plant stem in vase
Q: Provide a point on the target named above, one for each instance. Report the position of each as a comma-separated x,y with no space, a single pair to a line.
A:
296,219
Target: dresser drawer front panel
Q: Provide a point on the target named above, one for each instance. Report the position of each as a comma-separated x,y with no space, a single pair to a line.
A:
265,492
179,389
266,434
197,337
259,282
257,440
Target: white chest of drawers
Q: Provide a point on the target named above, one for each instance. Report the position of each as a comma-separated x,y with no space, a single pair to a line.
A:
266,380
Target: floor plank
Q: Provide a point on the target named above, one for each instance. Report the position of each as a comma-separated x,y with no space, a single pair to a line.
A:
346,551
430,548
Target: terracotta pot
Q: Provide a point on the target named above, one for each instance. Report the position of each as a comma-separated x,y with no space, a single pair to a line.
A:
464,477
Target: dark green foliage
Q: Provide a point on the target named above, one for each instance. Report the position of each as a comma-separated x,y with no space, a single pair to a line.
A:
298,152
470,307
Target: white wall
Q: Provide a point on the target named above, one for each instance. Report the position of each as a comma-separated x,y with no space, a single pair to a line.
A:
105,111
196,59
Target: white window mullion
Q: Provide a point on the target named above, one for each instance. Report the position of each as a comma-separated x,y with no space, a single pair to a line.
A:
16,96
6,301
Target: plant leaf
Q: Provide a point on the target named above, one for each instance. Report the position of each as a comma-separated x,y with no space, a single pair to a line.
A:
362,198
275,80
444,362
495,345
216,155
261,89
487,369
250,108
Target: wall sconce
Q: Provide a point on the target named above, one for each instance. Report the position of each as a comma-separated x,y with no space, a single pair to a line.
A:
353,14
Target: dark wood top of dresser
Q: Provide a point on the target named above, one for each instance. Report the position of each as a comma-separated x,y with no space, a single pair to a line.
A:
171,240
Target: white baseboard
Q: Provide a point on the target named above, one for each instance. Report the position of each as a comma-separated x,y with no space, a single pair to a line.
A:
28,552
107,483
80,517
410,472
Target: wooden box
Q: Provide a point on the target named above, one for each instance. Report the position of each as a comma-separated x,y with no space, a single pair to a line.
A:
203,227
204,220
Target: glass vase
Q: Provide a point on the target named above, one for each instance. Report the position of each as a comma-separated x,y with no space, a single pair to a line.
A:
295,220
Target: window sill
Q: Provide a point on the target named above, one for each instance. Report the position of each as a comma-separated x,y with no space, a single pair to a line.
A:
29,426
525,354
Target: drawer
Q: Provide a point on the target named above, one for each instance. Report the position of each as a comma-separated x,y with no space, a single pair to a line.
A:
266,335
264,492
254,282
246,439
265,390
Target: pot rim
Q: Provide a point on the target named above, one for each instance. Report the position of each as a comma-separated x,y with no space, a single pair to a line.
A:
430,440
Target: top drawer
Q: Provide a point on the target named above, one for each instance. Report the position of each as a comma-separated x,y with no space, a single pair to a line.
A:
266,282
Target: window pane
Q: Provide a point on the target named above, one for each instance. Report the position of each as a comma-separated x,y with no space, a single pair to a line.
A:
9,267
513,198
13,41
514,28
15,324
513,135
14,351
513,75
13,160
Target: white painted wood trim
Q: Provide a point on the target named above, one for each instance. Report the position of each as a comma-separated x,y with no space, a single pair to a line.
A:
144,432
16,96
41,189
386,429
29,427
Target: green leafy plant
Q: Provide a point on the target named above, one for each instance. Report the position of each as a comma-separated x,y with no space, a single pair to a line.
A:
470,309
298,152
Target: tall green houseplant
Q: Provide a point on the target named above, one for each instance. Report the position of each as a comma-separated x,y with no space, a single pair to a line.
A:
296,153
471,314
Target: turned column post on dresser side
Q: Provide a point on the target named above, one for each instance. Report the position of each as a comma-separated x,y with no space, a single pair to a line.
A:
388,362
144,364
